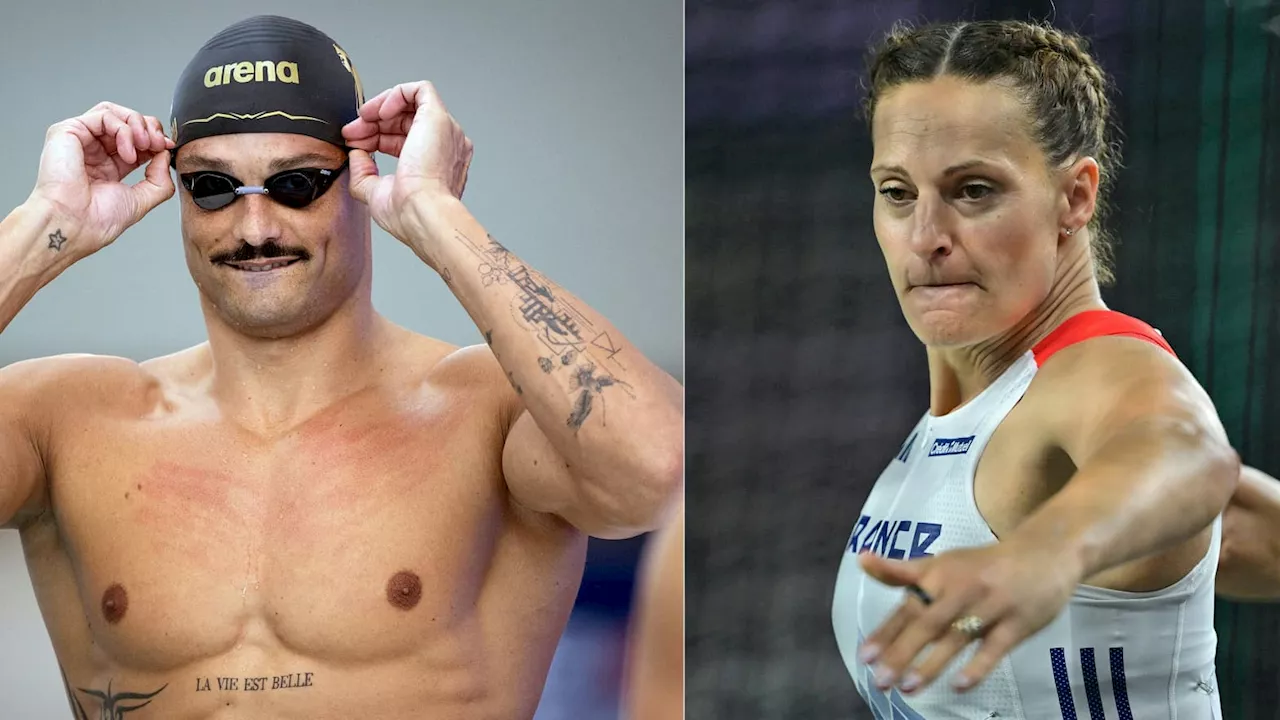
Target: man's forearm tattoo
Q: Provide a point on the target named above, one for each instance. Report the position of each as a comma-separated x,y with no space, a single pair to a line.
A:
571,342
585,379
57,240
112,705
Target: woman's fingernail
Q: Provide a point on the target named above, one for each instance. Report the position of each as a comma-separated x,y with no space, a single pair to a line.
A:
962,682
869,654
884,678
911,681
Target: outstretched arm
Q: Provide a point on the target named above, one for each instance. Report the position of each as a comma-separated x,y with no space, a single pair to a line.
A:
1154,469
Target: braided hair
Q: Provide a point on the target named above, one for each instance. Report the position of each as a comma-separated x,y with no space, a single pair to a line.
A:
1061,85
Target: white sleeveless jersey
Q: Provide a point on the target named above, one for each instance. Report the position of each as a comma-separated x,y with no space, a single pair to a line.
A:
1109,655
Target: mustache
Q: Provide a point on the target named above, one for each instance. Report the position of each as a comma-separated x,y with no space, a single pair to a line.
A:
266,251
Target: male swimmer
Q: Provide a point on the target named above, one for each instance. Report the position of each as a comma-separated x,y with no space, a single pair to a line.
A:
315,513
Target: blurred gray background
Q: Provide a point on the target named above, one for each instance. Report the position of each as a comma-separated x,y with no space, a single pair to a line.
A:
576,111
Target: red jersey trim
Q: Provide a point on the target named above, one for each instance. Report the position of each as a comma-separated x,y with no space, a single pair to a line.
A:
1096,323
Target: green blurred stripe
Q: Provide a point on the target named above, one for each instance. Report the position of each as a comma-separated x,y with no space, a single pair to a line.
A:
1233,310
1255,439
1233,322
1213,88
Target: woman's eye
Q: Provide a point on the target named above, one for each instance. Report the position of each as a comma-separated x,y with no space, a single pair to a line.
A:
975,191
894,194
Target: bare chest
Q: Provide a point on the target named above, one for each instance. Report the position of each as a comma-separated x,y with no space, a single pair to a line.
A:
188,540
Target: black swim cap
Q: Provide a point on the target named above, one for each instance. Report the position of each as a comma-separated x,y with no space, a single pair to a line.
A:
266,74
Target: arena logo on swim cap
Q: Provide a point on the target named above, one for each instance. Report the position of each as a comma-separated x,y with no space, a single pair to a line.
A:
247,72
951,446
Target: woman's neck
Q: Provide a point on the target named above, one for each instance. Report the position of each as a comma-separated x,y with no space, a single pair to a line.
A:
959,374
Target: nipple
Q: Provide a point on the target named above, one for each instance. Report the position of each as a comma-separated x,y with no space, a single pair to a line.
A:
115,602
404,590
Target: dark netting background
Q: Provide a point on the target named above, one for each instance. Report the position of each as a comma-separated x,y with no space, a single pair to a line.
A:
802,376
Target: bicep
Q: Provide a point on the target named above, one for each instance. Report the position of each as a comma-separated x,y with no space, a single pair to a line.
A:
540,478
536,474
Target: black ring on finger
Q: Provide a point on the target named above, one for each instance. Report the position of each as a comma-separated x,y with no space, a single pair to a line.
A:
920,594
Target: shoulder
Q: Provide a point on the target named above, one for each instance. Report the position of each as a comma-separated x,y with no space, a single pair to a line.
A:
1103,384
474,365
1104,348
1108,365
80,376
55,394
470,371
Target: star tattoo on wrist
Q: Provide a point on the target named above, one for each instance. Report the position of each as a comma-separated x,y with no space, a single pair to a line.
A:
57,240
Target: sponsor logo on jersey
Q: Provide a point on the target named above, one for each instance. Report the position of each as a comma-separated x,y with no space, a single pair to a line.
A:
951,446
894,539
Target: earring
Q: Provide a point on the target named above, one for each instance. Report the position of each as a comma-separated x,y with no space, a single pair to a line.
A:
1069,231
